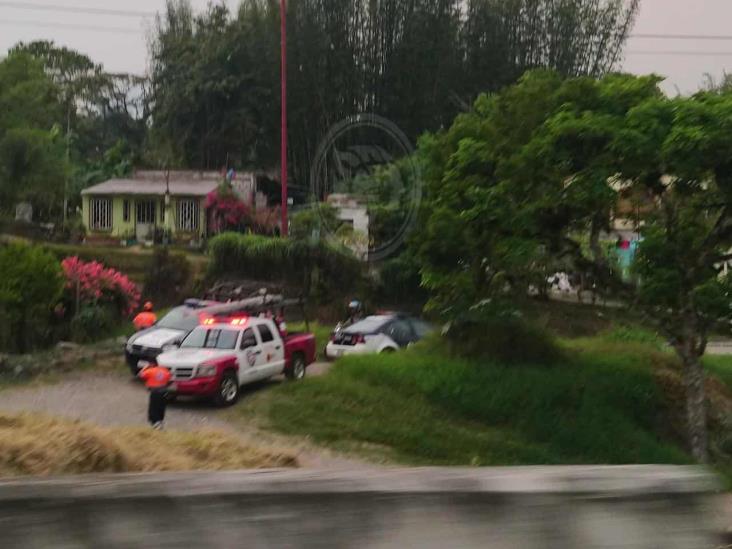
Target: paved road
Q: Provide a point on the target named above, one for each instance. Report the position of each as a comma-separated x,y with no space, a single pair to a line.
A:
113,400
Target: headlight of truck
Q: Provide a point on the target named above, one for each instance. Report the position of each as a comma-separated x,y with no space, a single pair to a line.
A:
206,370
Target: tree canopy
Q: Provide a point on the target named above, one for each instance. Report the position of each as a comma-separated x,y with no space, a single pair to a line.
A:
215,77
532,179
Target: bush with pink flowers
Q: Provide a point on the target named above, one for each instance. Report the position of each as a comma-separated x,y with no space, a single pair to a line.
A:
226,210
97,285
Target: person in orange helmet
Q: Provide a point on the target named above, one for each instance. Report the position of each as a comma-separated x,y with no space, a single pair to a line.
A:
157,380
146,318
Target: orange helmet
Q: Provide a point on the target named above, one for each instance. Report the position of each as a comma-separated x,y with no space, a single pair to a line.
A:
148,306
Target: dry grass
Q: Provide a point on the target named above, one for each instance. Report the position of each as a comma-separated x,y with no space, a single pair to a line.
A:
39,445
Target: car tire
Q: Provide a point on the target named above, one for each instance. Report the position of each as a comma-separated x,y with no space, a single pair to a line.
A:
297,369
387,351
227,393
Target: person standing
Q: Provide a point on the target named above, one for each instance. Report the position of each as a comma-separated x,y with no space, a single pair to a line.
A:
146,319
157,380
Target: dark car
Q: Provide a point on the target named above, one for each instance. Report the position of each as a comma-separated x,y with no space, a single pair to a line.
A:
145,346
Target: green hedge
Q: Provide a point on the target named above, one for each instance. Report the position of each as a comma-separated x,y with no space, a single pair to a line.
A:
320,270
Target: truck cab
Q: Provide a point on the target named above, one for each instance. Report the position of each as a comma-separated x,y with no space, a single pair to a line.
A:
221,355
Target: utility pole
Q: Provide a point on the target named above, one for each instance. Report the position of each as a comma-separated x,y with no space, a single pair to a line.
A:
283,146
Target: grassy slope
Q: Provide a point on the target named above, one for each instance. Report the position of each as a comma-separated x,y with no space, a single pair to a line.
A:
422,407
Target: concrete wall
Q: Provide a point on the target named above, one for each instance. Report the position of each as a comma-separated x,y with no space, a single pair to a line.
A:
526,508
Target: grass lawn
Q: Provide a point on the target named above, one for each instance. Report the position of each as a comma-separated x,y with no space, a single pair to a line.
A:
322,333
421,406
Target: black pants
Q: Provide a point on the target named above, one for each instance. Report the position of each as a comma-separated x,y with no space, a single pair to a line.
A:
156,406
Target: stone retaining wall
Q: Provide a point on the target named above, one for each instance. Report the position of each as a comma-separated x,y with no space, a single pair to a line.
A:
561,507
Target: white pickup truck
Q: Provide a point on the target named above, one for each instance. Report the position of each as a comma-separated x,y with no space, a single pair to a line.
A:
221,355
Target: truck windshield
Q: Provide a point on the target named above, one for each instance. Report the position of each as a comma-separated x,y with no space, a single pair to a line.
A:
180,318
204,338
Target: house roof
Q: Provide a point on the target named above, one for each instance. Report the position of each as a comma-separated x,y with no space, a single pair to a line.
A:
180,184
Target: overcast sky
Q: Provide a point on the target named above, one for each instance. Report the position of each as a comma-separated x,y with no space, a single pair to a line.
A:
120,42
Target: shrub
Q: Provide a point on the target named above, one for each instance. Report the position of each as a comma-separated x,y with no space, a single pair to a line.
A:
227,210
92,323
92,284
168,277
318,268
500,334
30,285
400,281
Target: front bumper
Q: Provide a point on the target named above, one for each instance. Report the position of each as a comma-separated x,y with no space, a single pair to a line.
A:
200,387
133,357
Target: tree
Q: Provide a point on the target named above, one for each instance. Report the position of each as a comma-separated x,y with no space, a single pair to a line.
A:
532,178
215,78
32,153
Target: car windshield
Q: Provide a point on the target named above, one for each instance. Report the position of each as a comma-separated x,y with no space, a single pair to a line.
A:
210,338
368,325
180,318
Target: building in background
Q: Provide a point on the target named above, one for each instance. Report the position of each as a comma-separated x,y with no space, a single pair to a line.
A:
152,203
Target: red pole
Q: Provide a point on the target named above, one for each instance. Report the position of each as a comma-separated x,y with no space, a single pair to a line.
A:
283,78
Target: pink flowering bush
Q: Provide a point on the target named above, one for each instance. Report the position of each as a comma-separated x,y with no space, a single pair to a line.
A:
226,210
98,285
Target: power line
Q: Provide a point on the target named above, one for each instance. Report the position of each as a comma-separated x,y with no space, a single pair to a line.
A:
683,36
76,9
680,53
71,26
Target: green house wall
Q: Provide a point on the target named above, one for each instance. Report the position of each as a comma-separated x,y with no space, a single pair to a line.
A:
122,229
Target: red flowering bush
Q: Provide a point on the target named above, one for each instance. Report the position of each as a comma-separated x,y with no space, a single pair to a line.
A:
97,285
226,210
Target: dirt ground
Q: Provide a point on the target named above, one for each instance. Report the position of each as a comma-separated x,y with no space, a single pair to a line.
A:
114,399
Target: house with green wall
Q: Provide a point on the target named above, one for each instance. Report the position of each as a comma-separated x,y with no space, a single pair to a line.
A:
148,203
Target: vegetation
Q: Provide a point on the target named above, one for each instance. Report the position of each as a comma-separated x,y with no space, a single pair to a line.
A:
372,54
528,182
321,331
32,162
38,445
168,279
319,269
602,404
30,286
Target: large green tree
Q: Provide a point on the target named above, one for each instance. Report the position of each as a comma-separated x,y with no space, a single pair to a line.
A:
32,153
531,180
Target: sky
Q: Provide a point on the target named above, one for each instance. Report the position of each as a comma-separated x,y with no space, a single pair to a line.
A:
120,42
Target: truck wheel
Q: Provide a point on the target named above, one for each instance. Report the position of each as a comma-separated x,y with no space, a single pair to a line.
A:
228,392
296,371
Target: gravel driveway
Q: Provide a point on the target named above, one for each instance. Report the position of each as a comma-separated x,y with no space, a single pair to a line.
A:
114,400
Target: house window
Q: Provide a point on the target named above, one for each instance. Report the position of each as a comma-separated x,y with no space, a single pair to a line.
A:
126,211
162,211
100,214
188,213
146,212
